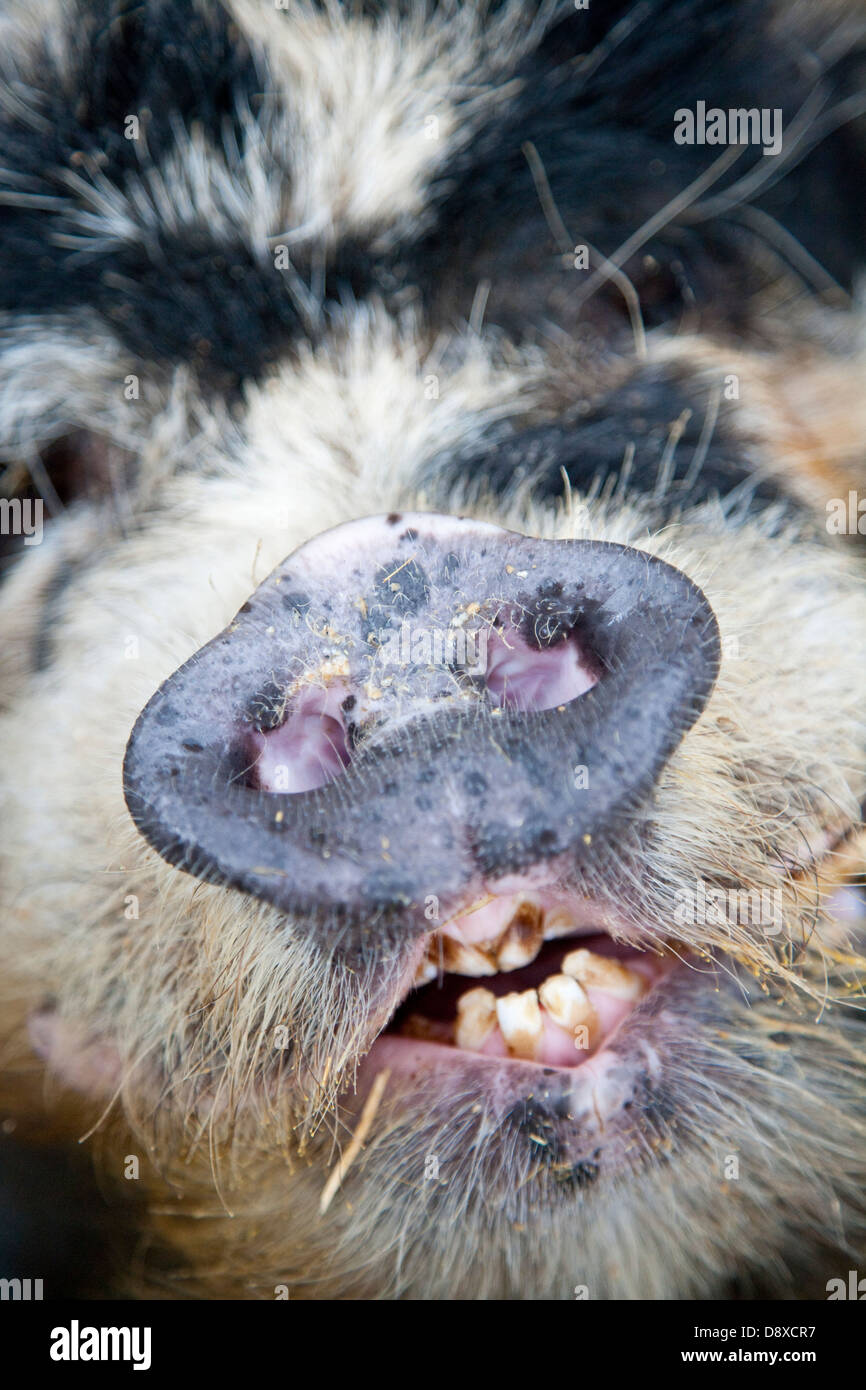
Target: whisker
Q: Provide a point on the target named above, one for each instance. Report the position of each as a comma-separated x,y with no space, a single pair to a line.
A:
669,213
566,243
704,441
788,246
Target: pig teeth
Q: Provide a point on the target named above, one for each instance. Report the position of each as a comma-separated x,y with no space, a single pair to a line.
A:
522,939
565,1000
427,971
461,959
476,1018
557,924
568,1004
602,972
520,1023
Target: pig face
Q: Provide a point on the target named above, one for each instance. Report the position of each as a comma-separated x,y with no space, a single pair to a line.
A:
432,708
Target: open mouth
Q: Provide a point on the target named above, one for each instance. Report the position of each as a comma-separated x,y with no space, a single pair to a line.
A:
526,977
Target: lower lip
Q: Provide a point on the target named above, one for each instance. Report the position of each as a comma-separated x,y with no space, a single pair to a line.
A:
422,1061
432,1075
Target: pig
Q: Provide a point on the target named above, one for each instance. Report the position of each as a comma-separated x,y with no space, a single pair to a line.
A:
432,685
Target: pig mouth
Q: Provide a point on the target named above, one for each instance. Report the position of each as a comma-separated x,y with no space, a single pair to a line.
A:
535,1023
524,978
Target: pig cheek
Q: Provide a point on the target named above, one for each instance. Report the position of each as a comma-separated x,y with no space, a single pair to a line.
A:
89,1066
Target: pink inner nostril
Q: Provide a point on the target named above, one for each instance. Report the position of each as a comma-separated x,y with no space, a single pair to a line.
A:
526,678
308,750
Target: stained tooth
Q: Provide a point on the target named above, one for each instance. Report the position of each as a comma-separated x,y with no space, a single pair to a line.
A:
568,1005
520,1022
461,959
427,971
476,1018
602,972
522,939
565,1000
557,923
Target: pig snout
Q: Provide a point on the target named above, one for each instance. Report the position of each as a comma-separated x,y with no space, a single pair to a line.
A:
420,705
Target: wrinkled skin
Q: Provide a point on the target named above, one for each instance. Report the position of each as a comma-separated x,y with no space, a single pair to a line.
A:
206,971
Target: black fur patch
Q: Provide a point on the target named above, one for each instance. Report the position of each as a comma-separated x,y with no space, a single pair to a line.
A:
603,130
167,62
591,446
50,615
194,297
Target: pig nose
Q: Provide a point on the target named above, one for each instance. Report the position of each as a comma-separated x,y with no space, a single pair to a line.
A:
419,705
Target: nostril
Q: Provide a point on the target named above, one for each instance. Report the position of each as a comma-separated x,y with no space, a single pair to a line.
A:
529,678
308,745
304,742
307,750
